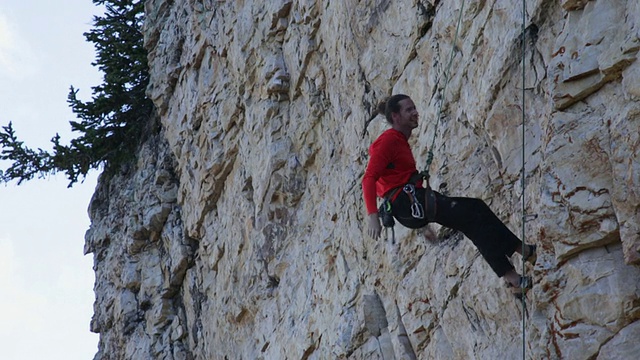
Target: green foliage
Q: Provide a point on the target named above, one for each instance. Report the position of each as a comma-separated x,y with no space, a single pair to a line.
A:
112,124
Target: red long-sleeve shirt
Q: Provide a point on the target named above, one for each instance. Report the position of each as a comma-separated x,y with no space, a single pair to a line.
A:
391,164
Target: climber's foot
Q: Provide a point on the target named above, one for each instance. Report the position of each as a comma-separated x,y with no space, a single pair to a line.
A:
531,254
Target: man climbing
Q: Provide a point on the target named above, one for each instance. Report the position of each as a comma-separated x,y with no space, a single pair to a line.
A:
392,174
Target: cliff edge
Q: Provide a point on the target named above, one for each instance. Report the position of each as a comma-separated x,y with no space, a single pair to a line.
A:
238,234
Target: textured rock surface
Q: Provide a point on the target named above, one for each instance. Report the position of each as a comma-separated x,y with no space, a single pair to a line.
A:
239,233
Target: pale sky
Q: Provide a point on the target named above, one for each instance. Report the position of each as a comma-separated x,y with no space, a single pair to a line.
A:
46,283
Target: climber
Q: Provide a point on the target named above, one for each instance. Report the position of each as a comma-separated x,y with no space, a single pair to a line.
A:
392,175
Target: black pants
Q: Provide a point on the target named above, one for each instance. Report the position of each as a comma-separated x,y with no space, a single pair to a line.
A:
470,216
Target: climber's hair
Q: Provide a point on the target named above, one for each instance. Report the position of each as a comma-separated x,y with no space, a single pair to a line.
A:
391,105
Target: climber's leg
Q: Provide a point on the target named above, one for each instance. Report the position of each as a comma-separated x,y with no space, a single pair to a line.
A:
475,220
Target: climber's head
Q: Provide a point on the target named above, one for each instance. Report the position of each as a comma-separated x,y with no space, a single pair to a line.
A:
400,112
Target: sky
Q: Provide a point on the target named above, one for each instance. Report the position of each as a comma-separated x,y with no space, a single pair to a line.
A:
46,282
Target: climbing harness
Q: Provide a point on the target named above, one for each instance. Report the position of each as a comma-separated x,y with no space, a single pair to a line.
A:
386,215
385,211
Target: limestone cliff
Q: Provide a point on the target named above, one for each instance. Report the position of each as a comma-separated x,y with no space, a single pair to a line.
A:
239,232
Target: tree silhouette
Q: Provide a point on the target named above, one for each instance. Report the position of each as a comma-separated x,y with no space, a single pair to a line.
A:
112,125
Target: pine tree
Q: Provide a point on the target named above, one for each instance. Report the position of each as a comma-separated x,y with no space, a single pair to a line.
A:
112,124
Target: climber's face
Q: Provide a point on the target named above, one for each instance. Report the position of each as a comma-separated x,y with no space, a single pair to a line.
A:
407,118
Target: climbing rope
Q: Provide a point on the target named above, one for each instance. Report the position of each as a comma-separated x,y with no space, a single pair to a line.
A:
442,95
430,155
524,217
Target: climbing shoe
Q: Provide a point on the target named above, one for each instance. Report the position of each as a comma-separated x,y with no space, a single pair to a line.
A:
524,284
532,255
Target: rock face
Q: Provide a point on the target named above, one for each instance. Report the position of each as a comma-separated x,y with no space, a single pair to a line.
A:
239,232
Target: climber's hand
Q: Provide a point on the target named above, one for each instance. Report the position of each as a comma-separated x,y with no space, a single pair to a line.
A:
429,234
373,226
